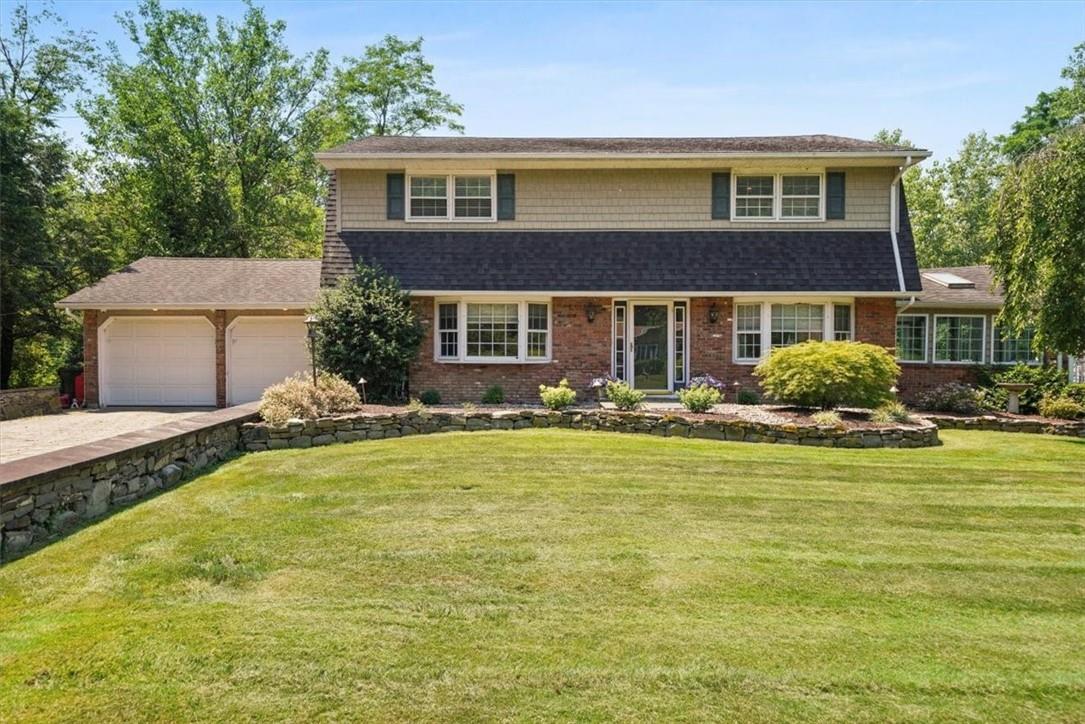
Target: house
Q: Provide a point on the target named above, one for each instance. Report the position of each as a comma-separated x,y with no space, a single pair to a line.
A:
533,259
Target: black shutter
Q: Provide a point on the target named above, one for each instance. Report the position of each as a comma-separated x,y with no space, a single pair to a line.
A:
721,195
834,195
396,204
506,196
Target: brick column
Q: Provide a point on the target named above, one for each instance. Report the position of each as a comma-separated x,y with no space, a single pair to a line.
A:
219,318
90,357
876,321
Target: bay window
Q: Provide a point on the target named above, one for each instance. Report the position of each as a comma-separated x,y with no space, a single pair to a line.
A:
958,338
912,337
460,197
760,327
1009,349
492,331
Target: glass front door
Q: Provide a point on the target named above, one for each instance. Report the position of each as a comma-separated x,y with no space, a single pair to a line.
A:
650,344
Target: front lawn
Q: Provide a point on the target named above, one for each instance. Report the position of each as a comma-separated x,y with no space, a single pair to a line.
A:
563,574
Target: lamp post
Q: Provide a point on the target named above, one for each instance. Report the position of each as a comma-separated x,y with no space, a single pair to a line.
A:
312,323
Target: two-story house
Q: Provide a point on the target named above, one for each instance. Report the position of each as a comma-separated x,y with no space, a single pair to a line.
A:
533,259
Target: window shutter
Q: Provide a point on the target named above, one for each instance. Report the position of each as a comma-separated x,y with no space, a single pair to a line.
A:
834,195
721,195
506,196
395,195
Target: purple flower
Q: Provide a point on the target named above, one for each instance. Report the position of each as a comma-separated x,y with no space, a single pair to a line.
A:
707,381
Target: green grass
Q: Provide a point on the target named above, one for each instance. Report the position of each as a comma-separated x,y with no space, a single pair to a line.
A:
559,574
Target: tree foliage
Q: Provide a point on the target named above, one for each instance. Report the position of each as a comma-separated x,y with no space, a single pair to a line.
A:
1052,112
391,91
1038,232
37,266
368,329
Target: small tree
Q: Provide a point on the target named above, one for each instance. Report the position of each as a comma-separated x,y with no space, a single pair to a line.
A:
368,329
829,374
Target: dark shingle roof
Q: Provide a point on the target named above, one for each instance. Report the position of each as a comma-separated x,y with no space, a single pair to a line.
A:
986,292
623,261
818,143
204,284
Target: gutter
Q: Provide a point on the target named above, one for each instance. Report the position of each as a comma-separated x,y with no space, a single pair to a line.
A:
894,216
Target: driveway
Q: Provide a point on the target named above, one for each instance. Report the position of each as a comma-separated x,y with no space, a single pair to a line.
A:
29,436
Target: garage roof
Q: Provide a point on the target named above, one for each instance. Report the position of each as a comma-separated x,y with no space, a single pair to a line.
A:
188,283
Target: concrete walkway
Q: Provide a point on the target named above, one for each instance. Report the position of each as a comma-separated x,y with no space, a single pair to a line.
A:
29,436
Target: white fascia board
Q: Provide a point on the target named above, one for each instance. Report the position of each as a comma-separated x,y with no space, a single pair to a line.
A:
121,306
642,295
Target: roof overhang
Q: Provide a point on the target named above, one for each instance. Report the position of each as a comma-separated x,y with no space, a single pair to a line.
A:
123,306
472,161
987,306
627,294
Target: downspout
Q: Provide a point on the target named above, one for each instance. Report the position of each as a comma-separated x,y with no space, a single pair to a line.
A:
894,217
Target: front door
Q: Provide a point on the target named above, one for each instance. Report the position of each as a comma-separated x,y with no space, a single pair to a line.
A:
650,347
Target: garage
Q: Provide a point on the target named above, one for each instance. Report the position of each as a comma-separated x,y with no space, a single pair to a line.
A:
261,351
157,361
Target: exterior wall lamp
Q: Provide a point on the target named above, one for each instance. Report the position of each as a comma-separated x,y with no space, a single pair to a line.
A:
713,313
590,310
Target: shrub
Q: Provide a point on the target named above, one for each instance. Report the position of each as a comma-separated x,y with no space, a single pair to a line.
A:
494,395
701,398
297,397
889,413
415,405
557,398
623,396
430,397
829,418
368,329
1075,391
1046,382
829,374
746,396
951,397
469,408
1064,408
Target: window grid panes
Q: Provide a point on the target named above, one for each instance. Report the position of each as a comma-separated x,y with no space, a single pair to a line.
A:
429,196
748,331
958,339
754,197
912,338
679,343
1013,350
800,197
474,197
538,329
619,341
448,330
493,330
842,322
794,323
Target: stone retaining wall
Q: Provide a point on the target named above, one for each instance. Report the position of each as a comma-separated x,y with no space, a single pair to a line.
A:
1002,424
45,497
27,401
349,428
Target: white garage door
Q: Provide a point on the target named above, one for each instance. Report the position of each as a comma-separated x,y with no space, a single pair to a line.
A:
263,351
156,361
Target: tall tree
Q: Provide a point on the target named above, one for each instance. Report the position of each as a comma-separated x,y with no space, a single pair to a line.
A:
391,91
1052,112
37,75
211,133
1038,234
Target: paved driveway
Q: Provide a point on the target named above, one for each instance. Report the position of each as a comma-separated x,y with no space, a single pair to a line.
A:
29,436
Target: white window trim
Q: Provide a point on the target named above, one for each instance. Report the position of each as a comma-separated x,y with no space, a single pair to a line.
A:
521,337
766,303
996,363
934,332
777,197
926,340
450,199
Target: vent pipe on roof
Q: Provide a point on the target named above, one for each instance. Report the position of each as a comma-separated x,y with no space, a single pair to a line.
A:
894,217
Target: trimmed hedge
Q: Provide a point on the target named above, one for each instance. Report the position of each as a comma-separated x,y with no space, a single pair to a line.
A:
829,374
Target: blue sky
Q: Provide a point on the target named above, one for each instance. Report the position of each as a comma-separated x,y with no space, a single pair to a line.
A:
937,70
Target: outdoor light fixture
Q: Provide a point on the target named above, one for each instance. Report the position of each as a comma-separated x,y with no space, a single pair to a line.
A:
713,313
590,310
361,381
311,324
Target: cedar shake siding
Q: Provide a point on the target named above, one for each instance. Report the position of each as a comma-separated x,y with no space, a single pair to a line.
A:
612,199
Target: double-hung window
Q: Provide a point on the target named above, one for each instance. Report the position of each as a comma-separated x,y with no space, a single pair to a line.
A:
485,331
794,323
467,197
779,197
912,337
747,332
958,338
1009,349
842,322
760,327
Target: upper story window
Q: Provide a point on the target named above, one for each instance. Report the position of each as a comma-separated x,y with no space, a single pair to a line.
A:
468,197
779,197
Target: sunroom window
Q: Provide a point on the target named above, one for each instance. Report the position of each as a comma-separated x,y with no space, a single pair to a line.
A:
754,197
958,338
1010,349
912,337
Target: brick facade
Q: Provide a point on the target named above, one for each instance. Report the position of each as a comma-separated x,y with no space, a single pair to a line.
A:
90,357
